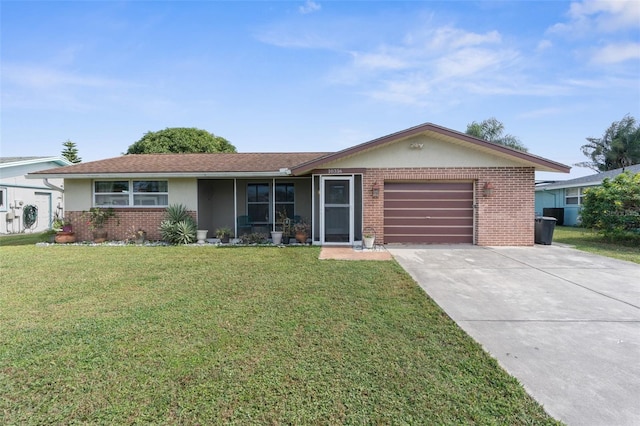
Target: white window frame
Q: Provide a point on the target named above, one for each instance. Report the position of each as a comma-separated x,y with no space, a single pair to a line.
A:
579,196
267,219
277,203
131,195
3,199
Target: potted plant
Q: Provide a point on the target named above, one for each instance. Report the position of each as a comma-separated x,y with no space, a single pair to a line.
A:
137,235
368,237
301,231
64,232
96,218
276,237
201,235
284,224
223,233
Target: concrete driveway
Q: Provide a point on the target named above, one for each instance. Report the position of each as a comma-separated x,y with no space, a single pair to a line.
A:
565,323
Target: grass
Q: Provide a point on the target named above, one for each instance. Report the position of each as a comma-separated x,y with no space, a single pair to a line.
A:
24,239
586,240
199,335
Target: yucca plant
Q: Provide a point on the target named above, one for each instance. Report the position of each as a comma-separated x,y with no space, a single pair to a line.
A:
178,227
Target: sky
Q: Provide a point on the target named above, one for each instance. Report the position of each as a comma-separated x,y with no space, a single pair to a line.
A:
314,75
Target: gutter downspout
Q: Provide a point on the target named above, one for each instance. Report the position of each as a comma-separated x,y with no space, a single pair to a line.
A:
49,185
59,207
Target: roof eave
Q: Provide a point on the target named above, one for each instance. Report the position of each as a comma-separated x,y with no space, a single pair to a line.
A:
530,160
58,160
159,175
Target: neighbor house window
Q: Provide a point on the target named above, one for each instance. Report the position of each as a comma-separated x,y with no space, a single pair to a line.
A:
258,202
3,199
573,196
285,199
114,193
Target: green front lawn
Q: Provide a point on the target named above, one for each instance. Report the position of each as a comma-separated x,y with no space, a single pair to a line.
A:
587,240
203,335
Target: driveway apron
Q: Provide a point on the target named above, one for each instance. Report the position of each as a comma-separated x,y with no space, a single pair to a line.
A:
565,323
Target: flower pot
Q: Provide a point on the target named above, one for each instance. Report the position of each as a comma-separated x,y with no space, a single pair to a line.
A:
201,235
301,237
99,236
276,237
65,237
368,242
141,237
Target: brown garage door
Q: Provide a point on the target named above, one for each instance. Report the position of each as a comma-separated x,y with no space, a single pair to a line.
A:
428,212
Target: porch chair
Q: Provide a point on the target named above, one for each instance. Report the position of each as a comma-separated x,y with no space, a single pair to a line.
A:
244,225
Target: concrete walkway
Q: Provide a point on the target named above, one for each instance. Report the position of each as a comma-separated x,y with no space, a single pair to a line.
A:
565,323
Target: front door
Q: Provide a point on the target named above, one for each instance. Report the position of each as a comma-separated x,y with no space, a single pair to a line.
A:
336,210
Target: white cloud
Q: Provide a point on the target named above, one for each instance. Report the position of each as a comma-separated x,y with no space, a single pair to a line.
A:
610,15
453,38
411,90
378,61
428,63
47,78
544,45
615,53
472,61
48,88
591,16
309,7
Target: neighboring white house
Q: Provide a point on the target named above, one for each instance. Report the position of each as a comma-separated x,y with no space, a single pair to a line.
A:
17,193
563,199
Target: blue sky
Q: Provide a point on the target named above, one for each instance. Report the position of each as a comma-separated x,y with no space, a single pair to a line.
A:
314,75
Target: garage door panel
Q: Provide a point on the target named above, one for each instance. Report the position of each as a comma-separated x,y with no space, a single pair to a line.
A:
427,239
428,212
445,221
427,204
428,230
421,186
421,195
397,213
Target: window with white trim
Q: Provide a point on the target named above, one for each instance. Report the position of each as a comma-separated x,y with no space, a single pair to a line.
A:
573,196
285,199
123,193
259,202
3,199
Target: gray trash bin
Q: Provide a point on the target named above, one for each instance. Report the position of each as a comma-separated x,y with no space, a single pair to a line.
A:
544,229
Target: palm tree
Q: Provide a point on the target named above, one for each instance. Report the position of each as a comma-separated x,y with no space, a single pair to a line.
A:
492,130
619,147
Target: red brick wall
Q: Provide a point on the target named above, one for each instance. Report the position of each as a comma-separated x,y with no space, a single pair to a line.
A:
506,218
126,221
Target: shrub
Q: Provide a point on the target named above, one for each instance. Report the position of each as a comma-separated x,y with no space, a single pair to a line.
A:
178,227
254,238
614,207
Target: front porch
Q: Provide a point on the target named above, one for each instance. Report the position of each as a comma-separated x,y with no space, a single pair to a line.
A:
330,205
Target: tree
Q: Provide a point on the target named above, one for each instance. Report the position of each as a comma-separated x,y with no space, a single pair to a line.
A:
180,140
70,152
619,147
614,207
492,130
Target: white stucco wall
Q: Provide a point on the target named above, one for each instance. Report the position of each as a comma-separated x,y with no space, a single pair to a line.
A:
18,191
184,191
433,153
79,193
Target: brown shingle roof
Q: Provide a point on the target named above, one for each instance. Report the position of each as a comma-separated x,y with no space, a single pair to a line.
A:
189,163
